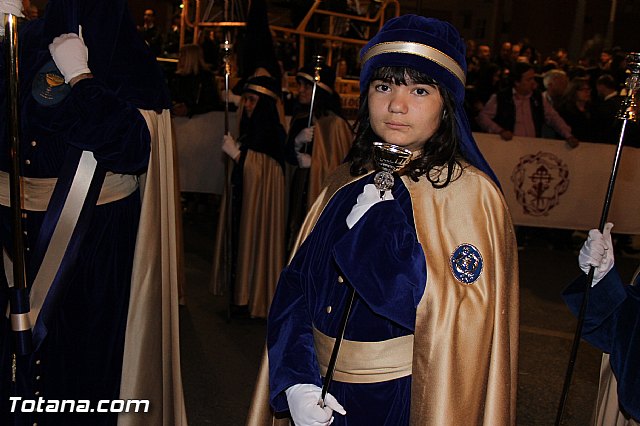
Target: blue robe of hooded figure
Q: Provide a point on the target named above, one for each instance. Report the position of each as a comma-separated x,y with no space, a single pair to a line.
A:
612,324
80,354
389,276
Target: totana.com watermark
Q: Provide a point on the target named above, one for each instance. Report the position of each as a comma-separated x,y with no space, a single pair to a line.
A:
42,405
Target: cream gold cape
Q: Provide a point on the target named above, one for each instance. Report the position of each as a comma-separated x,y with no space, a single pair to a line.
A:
151,364
465,356
331,143
261,236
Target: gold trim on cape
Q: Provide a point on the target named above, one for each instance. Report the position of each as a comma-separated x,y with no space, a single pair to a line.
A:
151,364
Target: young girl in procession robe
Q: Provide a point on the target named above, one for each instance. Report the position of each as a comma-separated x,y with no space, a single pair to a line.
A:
432,336
257,209
318,150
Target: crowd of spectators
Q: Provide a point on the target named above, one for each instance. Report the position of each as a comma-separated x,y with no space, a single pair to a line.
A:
571,100
585,95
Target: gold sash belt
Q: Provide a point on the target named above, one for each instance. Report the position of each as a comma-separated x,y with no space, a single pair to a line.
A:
37,191
366,362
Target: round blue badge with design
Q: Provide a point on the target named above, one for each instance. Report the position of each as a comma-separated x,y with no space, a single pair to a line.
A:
466,263
48,86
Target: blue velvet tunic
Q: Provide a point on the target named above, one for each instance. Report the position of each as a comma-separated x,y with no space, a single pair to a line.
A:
612,324
382,259
81,356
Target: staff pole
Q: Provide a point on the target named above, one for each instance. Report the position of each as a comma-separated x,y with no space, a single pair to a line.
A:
316,80
228,258
628,112
18,291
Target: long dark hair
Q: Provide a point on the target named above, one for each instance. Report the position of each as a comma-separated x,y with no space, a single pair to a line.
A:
441,152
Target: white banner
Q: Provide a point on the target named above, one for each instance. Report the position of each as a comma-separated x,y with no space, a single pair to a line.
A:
548,184
199,146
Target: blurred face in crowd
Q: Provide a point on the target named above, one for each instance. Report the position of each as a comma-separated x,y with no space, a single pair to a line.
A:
505,50
484,52
149,18
527,83
250,102
583,94
605,58
515,51
305,90
405,115
471,46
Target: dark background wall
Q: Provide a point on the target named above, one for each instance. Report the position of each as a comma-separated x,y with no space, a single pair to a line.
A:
547,24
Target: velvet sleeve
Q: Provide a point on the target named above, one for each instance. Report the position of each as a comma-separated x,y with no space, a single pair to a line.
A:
601,315
292,357
383,260
111,128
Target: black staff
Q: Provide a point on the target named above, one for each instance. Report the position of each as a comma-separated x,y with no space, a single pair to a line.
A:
628,111
389,158
228,235
19,294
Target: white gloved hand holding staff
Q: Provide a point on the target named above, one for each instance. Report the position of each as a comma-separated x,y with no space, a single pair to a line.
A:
11,7
305,136
597,251
230,147
303,404
70,55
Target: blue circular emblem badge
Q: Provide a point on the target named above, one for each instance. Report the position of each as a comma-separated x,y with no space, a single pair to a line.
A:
466,263
48,86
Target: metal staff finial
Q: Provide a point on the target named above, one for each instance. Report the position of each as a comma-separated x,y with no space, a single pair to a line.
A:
316,79
19,294
628,112
629,106
226,48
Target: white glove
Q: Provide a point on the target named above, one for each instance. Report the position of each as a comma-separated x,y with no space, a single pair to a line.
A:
230,147
305,136
70,55
370,196
11,7
303,404
304,160
233,98
597,251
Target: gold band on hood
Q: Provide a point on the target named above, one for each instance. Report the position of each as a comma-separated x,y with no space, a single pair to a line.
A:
418,49
262,90
312,80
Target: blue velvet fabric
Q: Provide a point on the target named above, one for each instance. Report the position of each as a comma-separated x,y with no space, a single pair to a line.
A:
440,35
382,259
81,346
117,54
612,324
